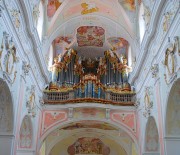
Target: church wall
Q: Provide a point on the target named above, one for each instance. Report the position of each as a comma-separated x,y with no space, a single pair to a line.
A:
154,78
26,80
30,75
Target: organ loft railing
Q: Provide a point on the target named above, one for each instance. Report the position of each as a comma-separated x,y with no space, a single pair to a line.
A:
78,80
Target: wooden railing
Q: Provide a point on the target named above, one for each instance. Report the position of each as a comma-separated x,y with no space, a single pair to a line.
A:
53,97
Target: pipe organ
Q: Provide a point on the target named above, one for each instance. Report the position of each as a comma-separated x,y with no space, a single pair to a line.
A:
102,78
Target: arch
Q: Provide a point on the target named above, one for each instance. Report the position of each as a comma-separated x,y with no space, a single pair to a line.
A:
26,133
61,125
122,31
173,111
6,119
6,109
152,136
78,135
172,120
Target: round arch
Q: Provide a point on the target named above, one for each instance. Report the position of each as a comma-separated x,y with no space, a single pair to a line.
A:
118,126
122,31
151,136
172,118
6,109
79,132
6,119
26,133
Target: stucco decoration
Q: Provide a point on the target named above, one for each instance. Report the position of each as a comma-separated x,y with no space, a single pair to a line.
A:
170,62
152,136
26,68
6,109
30,103
26,133
52,118
173,111
147,16
169,15
155,70
16,17
36,13
89,113
148,101
8,58
127,119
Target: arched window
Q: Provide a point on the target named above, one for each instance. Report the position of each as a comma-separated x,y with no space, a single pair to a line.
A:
25,136
6,119
40,20
141,22
50,56
152,136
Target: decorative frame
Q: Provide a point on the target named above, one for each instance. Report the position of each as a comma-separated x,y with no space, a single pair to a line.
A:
170,61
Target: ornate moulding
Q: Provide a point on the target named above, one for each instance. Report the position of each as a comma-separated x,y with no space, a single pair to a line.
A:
156,43
30,103
147,16
170,61
155,70
148,102
8,58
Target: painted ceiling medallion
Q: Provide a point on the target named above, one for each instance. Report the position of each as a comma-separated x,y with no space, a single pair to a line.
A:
90,36
118,42
89,8
88,145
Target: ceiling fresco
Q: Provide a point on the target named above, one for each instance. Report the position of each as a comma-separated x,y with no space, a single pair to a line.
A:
129,4
89,124
88,145
62,42
120,44
89,7
52,7
90,36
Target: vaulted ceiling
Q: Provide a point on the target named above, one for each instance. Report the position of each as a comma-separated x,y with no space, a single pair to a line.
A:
116,18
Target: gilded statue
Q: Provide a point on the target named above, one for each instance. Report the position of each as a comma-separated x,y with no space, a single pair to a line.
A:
124,69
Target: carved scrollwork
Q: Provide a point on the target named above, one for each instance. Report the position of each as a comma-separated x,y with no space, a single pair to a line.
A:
155,70
26,67
16,17
36,13
148,102
30,103
147,16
